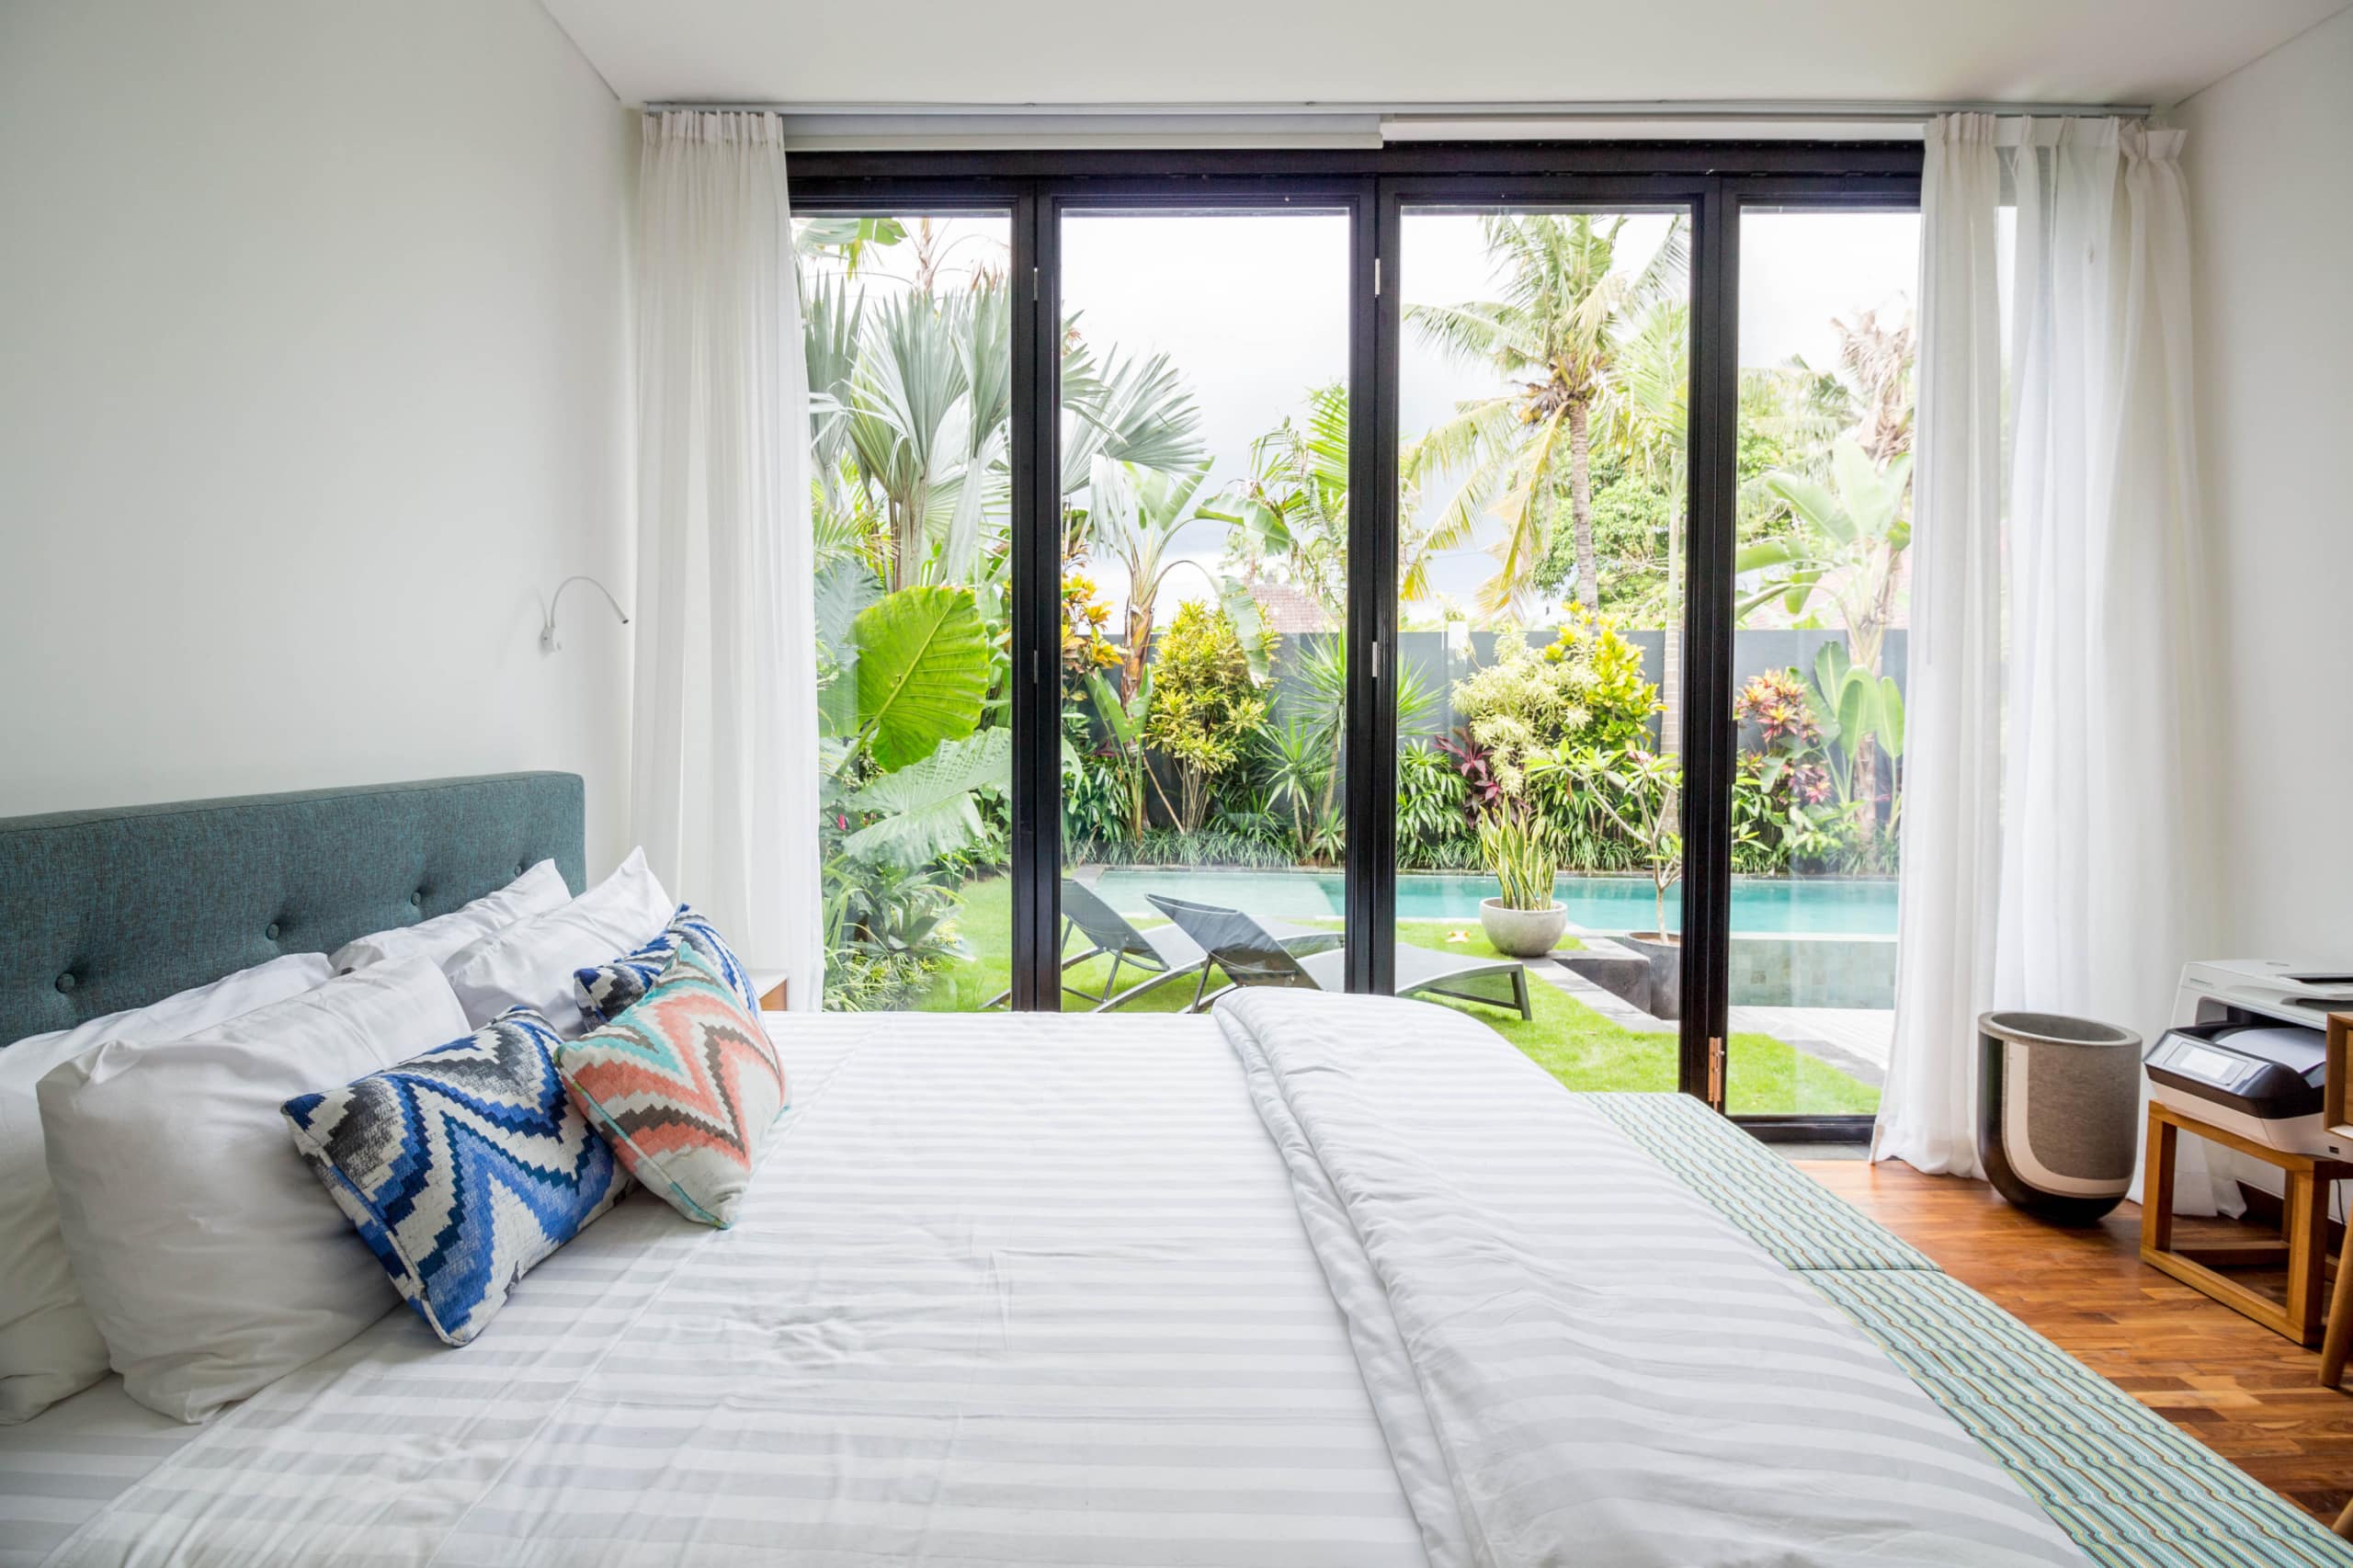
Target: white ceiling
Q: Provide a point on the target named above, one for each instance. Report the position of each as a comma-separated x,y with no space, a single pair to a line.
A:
1402,52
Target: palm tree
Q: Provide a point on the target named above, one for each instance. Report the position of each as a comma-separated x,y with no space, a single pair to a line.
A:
1133,515
1289,519
1558,334
1848,547
912,396
1878,361
1645,424
921,405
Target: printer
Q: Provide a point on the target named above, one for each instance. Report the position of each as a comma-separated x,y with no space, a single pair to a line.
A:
2247,1051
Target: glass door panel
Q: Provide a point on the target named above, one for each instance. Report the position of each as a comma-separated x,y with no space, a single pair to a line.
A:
1818,651
1204,519
906,321
1544,359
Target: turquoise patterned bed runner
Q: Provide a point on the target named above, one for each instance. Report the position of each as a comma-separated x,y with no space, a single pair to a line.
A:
2127,1486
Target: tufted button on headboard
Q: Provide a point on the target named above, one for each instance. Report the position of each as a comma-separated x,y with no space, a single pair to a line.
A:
100,911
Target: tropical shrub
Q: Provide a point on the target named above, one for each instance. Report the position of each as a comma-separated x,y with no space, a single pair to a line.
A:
1759,819
1296,770
1618,702
1122,722
1205,705
1636,790
1521,704
912,786
1434,823
1095,793
1085,648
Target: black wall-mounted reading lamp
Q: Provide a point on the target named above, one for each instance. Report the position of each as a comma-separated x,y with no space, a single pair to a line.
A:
548,643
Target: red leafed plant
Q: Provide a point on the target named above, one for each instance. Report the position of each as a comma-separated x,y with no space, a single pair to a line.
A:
1480,783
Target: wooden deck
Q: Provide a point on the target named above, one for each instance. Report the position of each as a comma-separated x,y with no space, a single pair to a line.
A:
2239,1389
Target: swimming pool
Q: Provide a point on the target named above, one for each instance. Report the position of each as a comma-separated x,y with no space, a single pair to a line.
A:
1761,906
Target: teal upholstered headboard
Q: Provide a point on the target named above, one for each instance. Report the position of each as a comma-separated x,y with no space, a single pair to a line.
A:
101,911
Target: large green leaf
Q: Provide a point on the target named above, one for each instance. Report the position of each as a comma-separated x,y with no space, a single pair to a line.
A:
927,805
1890,728
1815,504
922,672
1763,553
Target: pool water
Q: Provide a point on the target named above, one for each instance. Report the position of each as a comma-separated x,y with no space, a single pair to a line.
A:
1761,906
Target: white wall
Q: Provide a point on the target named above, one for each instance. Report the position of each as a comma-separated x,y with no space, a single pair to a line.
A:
314,380
2269,157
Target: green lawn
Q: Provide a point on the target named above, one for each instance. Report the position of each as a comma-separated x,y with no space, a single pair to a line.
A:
1568,1040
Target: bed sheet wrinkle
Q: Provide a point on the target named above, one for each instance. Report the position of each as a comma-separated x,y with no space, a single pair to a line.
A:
1564,1437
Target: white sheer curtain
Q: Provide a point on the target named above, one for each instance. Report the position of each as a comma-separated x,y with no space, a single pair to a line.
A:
723,730
2051,852
1951,834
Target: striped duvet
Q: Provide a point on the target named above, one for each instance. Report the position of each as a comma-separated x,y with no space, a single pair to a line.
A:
1330,1282
1574,1357
1007,1289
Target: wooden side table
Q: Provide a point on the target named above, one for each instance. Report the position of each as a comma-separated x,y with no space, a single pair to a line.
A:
770,983
2335,1111
2303,1228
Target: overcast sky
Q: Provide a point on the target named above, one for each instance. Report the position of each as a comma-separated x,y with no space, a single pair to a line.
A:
1254,311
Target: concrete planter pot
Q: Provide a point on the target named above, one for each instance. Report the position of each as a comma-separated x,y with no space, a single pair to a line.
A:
1665,953
1522,933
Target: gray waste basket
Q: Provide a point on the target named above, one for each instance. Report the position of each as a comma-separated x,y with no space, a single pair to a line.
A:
2058,1112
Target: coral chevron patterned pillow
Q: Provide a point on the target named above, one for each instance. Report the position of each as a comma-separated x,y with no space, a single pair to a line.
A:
605,990
685,1085
461,1168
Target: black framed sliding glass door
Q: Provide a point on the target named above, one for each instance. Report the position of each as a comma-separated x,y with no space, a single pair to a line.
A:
1827,285
1202,450
1542,374
907,318
1344,537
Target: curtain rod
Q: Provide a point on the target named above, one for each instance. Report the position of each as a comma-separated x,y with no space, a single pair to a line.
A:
1631,109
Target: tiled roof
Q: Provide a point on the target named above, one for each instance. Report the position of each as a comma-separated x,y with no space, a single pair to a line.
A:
1283,609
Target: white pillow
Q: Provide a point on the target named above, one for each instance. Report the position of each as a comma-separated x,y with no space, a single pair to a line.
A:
532,963
49,1347
536,892
212,1261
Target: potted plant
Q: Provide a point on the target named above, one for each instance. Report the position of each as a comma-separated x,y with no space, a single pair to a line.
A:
1520,847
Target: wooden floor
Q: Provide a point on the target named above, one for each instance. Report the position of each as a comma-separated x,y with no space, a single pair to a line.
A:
2242,1390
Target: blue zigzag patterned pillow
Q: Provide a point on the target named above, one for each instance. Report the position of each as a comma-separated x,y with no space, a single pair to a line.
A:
608,990
461,1168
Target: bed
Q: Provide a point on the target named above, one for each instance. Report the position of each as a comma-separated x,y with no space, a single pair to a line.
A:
1310,1280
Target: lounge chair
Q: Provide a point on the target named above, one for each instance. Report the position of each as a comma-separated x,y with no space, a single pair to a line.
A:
1163,953
1250,954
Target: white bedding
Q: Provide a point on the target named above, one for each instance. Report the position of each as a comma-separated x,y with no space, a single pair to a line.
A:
1574,1358
1045,1290
62,1466
1008,1289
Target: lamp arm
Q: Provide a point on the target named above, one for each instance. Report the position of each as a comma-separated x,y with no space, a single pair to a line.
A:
547,644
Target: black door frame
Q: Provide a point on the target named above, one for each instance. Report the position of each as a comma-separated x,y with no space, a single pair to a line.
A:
1712,182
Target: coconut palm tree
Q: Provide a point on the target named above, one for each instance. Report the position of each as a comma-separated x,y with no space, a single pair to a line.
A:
1557,335
1645,427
